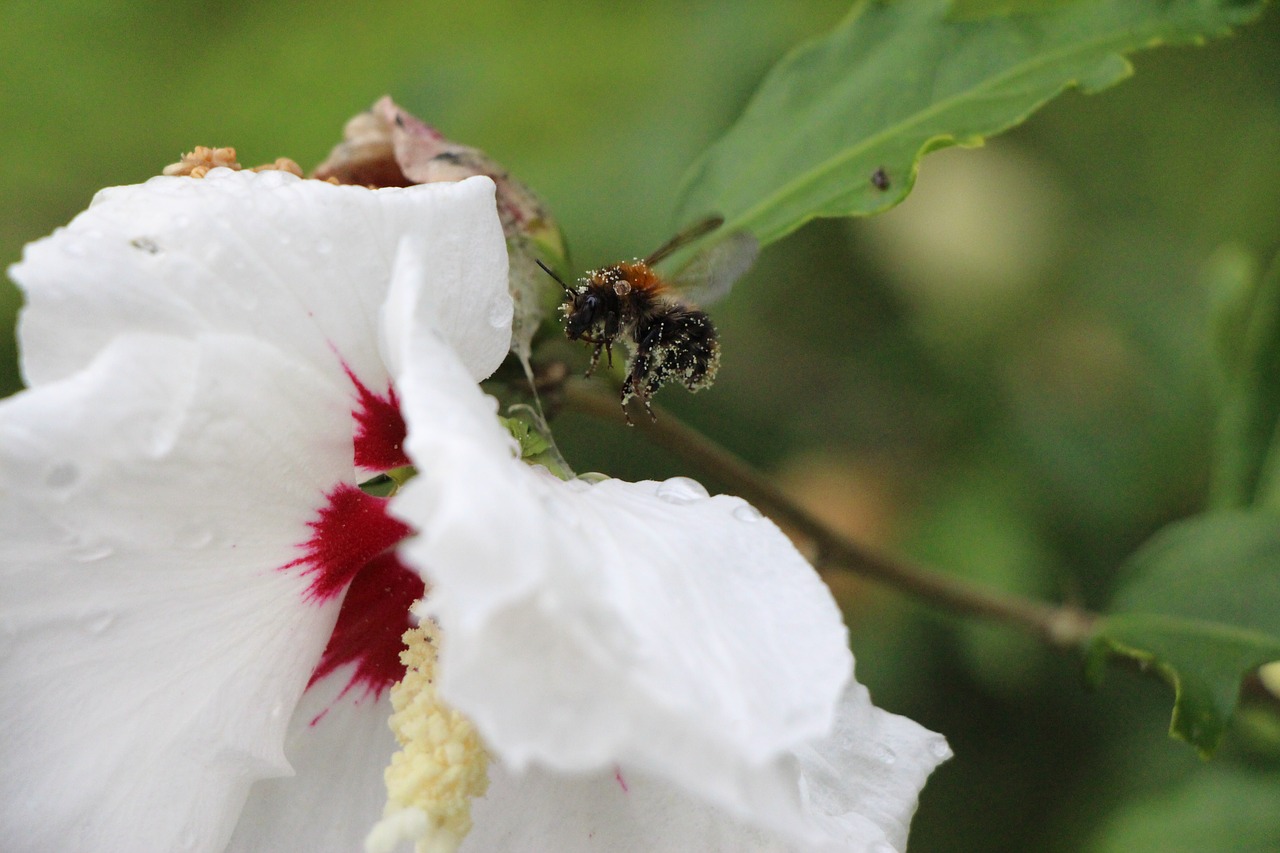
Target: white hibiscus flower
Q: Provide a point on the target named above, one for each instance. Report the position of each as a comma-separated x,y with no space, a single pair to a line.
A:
201,611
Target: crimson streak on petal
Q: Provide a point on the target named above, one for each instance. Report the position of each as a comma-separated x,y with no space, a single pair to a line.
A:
374,616
380,430
351,550
352,529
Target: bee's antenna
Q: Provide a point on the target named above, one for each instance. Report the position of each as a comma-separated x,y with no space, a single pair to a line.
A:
546,269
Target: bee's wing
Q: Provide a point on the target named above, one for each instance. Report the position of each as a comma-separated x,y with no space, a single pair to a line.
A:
711,275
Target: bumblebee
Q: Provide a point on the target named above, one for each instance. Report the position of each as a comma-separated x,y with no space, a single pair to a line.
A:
671,339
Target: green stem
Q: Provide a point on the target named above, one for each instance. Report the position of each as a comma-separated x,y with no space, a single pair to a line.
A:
1062,627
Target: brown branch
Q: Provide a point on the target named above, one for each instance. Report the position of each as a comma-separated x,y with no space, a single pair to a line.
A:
1063,627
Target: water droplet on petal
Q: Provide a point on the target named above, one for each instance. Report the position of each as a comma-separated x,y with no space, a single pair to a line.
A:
746,512
63,475
94,234
885,755
93,552
500,312
194,537
593,477
96,623
75,250
681,490
323,247
560,510
938,746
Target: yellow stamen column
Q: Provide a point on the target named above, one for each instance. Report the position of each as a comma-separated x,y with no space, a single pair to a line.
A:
441,764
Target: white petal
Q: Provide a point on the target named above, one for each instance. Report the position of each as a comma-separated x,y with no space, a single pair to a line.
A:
153,648
455,283
860,786
644,624
610,810
299,263
862,780
339,746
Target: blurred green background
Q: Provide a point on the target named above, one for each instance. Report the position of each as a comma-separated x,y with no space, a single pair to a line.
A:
1010,375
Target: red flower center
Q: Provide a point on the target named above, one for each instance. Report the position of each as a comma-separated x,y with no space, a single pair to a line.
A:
352,551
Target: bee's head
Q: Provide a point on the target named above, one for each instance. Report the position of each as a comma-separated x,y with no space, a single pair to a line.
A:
581,309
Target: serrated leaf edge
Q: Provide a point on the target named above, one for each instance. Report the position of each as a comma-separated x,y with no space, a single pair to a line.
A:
1147,663
1103,647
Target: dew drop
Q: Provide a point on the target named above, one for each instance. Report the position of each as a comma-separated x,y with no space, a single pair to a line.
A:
500,313
748,513
560,510
63,475
94,234
938,746
93,552
885,755
681,490
323,247
96,623
593,477
194,538
75,250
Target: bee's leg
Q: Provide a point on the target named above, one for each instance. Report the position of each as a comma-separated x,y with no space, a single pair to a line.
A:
595,360
628,391
648,408
634,389
639,383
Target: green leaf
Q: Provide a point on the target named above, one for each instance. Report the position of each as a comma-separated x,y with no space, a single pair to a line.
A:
1201,608
532,442
1247,467
971,10
838,127
536,447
